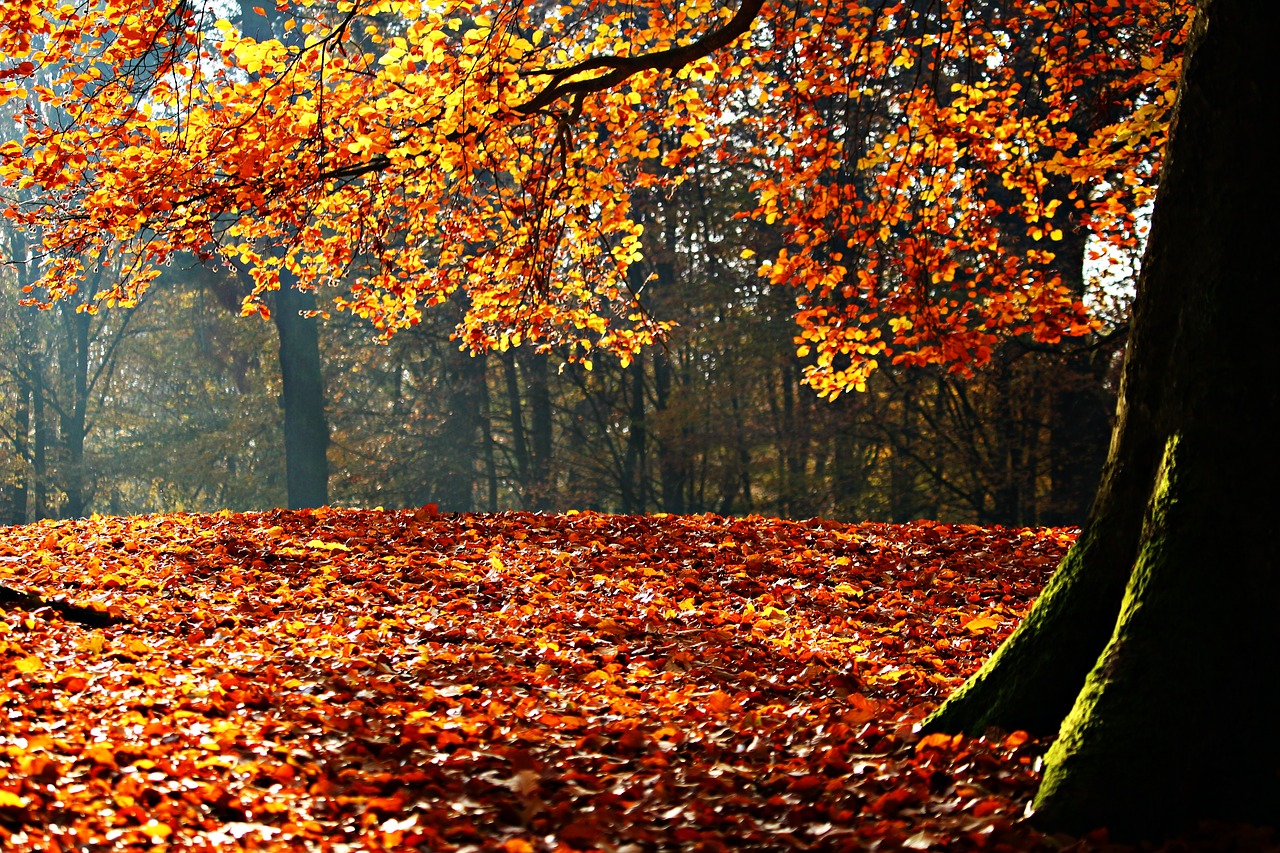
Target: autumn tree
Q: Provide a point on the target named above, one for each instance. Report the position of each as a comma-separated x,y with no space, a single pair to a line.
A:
1184,494
293,312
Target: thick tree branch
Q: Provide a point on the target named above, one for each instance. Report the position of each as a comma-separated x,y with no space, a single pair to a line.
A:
619,68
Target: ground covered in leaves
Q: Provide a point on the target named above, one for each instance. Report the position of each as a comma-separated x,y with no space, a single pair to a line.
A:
367,680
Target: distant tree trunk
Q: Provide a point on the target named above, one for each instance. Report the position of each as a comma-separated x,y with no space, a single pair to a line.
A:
519,443
1079,428
456,461
541,484
28,365
42,439
673,466
306,431
1154,646
848,471
902,487
1009,465
633,480
74,365
486,436
16,497
794,422
736,480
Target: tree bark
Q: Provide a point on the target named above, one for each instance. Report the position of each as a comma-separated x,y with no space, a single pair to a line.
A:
515,408
460,433
16,493
306,431
74,365
28,364
541,487
673,462
1154,647
488,444
634,479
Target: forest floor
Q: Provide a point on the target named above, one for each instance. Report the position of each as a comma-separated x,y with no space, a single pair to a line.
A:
346,680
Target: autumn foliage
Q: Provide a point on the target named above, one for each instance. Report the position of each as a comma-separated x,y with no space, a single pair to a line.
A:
407,680
926,175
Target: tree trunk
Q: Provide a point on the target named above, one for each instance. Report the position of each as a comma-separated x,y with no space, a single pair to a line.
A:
16,497
74,364
515,408
542,482
673,463
634,479
848,458
306,432
460,433
41,435
489,445
903,504
1078,444
1154,647
28,364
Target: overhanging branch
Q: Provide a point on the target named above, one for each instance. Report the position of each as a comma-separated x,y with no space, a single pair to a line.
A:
618,68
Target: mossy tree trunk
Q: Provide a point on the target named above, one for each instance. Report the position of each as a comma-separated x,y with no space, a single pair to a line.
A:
1154,651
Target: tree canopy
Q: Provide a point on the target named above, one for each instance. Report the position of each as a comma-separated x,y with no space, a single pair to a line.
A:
930,172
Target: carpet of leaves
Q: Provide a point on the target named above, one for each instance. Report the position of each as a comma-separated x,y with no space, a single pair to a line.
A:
348,680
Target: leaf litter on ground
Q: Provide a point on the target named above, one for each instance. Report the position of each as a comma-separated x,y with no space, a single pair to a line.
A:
346,680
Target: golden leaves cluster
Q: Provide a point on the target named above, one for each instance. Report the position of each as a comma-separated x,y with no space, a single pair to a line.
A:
929,174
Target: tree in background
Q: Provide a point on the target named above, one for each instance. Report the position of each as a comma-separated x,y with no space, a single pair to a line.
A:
59,376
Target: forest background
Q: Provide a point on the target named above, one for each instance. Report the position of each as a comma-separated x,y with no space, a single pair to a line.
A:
175,402
172,405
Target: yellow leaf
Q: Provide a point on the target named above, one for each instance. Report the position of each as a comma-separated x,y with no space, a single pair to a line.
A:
30,663
980,624
10,800
327,546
